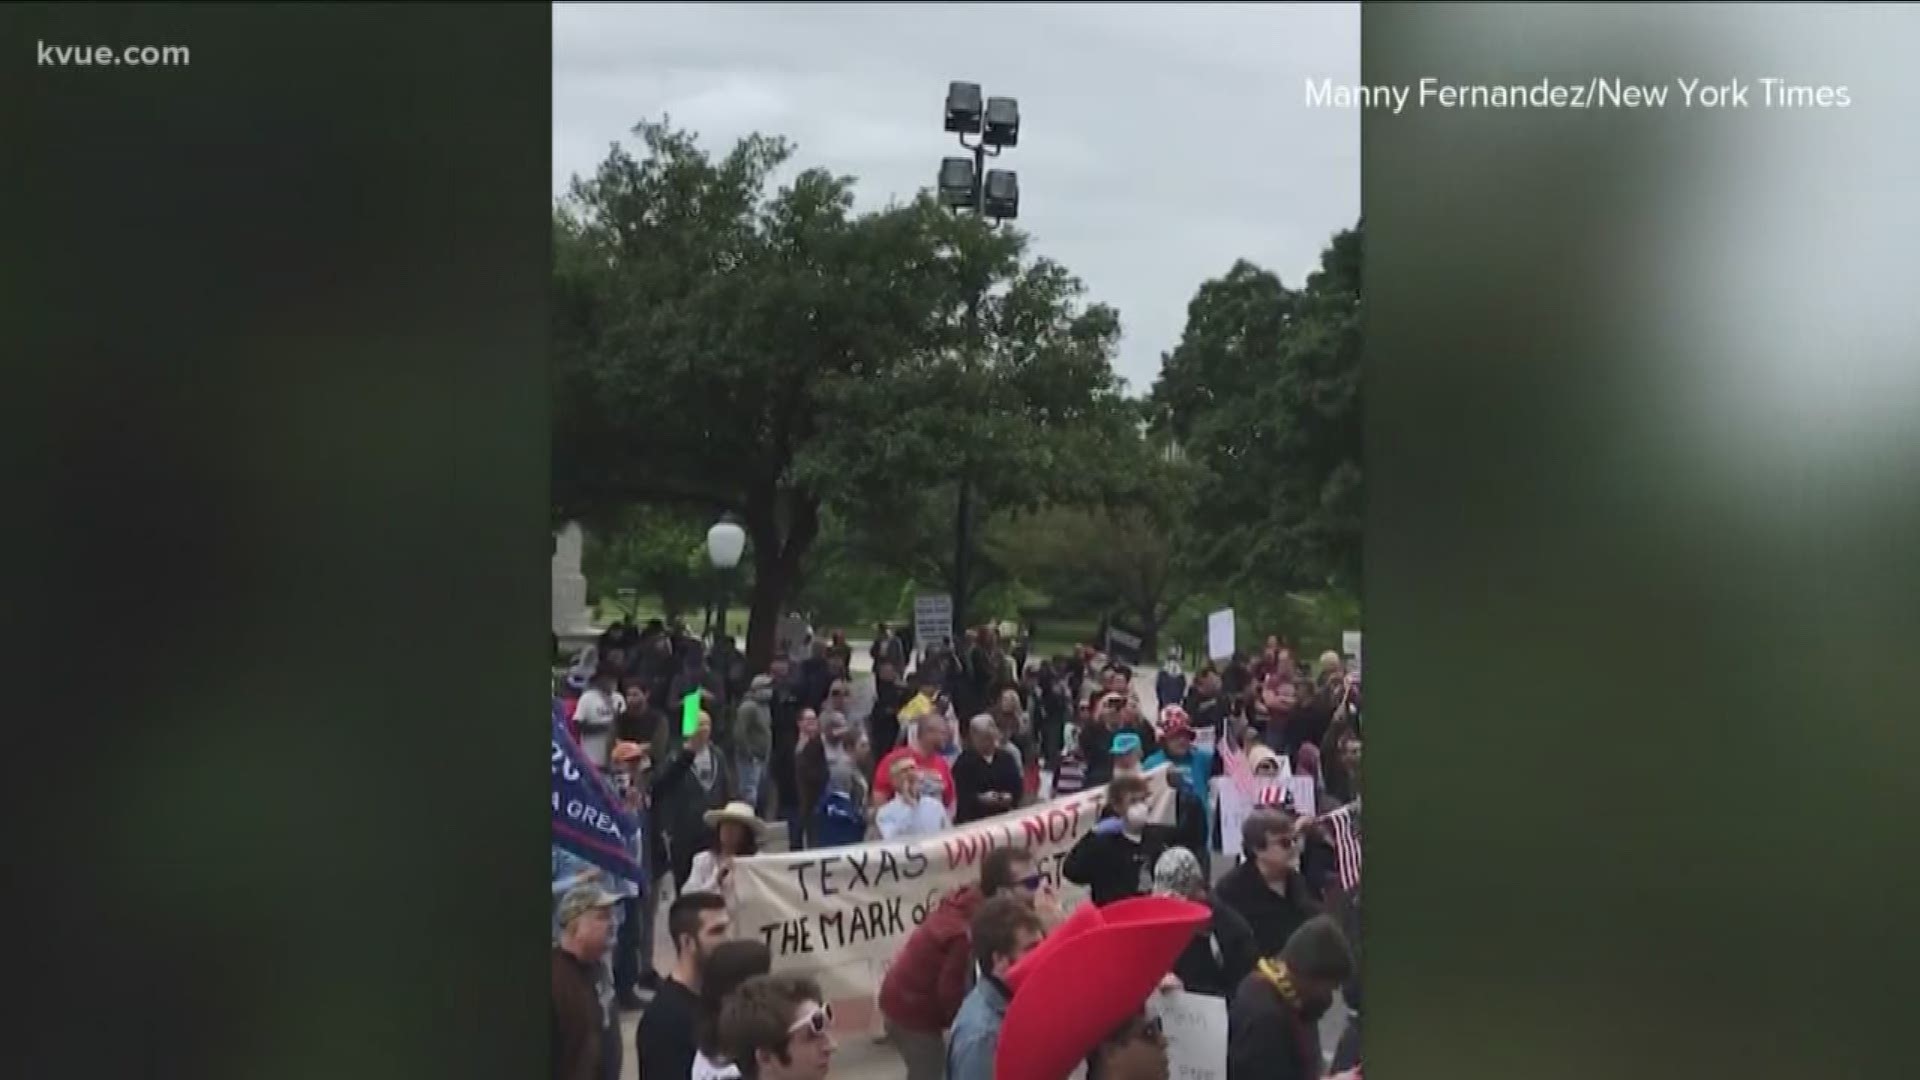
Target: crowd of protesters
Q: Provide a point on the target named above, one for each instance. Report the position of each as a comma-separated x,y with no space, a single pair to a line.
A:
945,737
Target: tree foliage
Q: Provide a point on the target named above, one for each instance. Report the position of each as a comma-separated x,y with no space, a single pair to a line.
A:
723,347
1263,396
657,552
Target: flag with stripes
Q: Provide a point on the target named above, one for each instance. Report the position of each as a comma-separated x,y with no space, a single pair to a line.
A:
1344,823
1257,792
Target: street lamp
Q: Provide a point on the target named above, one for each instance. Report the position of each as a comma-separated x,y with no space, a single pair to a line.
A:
985,127
725,543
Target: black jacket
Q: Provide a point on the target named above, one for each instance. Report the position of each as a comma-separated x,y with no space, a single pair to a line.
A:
1216,961
1266,1038
1113,867
1273,917
681,804
664,1038
974,775
1206,712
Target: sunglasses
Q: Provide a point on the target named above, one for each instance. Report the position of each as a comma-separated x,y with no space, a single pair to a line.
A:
1149,1029
817,1021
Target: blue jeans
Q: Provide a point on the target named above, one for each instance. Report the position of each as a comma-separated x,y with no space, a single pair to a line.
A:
751,771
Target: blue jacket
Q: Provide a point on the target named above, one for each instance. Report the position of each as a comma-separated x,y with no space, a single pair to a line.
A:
1199,766
975,1038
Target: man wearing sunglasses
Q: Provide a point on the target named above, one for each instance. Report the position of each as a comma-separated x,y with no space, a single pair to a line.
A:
777,1027
1267,889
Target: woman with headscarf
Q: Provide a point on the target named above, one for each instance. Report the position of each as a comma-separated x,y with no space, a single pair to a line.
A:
1223,952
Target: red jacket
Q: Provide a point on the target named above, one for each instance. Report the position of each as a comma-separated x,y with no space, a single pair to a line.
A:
928,980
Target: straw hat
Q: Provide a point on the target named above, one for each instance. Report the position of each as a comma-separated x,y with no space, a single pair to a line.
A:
737,812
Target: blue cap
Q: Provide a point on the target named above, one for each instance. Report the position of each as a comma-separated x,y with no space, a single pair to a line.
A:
1125,743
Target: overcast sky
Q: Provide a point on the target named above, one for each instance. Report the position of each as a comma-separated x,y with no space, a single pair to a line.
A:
1158,143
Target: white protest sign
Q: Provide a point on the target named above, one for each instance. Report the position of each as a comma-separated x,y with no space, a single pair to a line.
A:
840,915
1220,634
1235,808
1350,646
1300,791
932,620
1196,1030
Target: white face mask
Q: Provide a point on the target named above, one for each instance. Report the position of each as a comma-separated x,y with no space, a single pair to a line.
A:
1137,816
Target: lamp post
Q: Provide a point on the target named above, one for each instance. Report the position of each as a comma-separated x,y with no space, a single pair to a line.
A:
725,543
966,185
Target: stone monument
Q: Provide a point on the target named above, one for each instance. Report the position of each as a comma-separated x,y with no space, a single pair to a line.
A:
572,622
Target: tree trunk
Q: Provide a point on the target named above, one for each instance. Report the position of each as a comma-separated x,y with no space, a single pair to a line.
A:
776,568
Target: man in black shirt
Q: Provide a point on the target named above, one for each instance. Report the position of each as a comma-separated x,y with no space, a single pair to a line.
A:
1268,889
985,779
666,1039
1116,860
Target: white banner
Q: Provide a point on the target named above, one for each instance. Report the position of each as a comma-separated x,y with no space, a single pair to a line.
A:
840,915
1196,1029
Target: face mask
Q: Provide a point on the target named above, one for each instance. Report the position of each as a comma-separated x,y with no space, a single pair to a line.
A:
1137,816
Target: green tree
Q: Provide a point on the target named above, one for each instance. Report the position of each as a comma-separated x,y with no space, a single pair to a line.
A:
656,552
1262,395
1132,557
721,348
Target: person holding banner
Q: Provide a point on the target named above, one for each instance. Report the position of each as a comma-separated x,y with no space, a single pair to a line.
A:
736,834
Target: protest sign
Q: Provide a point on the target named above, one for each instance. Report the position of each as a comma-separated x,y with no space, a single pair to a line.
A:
1123,645
932,620
588,819
1220,635
1236,804
1350,648
840,915
1300,795
1196,1030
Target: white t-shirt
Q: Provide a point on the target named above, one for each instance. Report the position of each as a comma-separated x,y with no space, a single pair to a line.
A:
704,1069
900,818
594,716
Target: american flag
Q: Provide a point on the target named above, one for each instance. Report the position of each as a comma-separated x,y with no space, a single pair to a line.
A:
1345,823
1257,792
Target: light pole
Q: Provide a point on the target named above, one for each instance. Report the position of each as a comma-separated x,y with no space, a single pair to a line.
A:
725,543
966,185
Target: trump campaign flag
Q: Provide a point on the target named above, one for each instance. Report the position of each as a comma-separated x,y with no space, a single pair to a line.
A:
587,819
